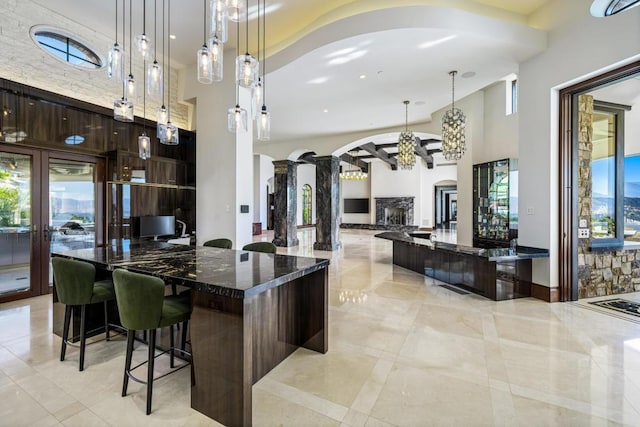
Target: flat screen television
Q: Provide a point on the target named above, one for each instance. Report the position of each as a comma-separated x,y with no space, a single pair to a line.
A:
356,205
155,226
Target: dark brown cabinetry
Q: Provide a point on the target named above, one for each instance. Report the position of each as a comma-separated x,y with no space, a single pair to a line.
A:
495,203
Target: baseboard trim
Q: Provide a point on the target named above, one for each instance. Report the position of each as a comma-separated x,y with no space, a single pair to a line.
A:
545,293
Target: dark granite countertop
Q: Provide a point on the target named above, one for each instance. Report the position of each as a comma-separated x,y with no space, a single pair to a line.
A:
228,272
495,254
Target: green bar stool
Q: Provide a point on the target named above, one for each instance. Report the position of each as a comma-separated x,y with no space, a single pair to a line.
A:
219,243
143,307
266,247
76,287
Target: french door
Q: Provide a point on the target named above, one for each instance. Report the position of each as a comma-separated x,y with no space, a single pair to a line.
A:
48,201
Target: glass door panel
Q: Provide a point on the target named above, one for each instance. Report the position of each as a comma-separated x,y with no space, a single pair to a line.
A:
16,219
72,206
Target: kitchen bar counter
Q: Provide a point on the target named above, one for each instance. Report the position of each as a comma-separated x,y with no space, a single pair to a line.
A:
250,311
498,273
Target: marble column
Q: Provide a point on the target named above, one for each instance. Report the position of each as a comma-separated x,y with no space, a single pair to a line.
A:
327,203
285,203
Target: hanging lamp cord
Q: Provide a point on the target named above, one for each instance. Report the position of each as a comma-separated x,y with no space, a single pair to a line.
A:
116,21
264,44
204,24
237,55
130,37
169,60
247,27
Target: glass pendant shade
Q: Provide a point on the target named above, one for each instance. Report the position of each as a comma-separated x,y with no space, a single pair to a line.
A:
123,110
406,150
264,124
168,134
154,79
114,62
236,10
453,134
144,146
246,70
163,115
216,50
237,119
256,99
131,89
205,66
144,46
219,20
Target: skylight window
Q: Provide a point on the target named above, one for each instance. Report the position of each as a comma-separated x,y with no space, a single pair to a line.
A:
66,48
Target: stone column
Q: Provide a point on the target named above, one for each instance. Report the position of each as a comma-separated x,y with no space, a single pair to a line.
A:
285,203
327,203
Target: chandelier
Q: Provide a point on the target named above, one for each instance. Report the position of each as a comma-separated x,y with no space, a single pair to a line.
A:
406,144
453,127
353,173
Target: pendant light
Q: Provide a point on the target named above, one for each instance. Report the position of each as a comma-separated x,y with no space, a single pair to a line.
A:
131,85
114,57
154,71
236,10
256,91
162,111
264,118
236,116
204,64
144,142
217,49
169,131
142,41
246,65
353,173
123,108
406,144
219,20
453,128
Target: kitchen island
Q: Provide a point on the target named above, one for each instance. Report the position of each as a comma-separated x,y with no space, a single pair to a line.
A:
499,273
250,311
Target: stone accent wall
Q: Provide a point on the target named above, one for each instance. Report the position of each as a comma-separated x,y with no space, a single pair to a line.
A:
604,272
405,203
26,63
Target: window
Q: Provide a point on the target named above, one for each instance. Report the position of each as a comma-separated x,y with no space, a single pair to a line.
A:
511,86
307,207
66,47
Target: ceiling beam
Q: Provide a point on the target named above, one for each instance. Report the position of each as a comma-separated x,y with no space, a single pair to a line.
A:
308,158
370,148
364,166
424,142
387,145
424,153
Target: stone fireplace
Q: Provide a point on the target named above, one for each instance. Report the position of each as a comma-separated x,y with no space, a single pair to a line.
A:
394,211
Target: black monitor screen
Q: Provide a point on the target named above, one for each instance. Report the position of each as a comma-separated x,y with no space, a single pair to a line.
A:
154,226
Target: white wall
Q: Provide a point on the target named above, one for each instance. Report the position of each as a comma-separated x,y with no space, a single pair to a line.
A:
594,45
399,183
500,129
632,130
306,175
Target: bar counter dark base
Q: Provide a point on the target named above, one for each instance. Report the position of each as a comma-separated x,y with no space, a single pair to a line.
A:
240,341
495,280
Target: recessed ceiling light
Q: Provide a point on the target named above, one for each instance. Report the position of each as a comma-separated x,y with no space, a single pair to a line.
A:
172,36
363,76
468,74
318,80
325,111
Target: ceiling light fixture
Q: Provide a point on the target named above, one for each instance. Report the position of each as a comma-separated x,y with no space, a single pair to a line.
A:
131,85
604,8
144,142
257,91
235,10
353,173
154,72
246,65
123,107
162,111
114,57
453,128
143,44
264,119
406,144
169,131
219,20
204,63
236,116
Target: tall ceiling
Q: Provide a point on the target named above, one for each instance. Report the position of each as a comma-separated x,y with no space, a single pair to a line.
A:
355,59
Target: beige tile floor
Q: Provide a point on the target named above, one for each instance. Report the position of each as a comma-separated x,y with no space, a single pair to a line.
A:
403,352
